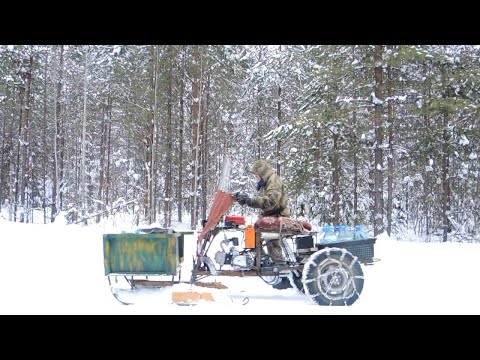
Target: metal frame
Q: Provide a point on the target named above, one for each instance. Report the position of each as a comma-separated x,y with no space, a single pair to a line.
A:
200,272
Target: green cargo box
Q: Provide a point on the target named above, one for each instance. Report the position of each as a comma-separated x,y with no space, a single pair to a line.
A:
155,253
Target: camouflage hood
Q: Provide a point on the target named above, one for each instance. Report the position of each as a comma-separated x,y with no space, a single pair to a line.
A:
262,168
272,197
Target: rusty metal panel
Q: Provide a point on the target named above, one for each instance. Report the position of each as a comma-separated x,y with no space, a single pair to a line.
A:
149,254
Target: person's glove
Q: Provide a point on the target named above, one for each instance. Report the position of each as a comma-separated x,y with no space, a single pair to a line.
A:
242,198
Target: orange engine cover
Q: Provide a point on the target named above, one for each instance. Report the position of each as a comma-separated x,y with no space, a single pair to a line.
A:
249,237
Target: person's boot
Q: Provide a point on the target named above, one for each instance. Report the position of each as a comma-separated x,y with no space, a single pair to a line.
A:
275,251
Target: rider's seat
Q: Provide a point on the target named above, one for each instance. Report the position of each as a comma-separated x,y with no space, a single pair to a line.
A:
282,225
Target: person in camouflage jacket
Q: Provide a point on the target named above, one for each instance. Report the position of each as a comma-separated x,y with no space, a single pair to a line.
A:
271,198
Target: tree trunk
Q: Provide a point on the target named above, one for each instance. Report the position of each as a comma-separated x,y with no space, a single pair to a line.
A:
378,154
195,134
428,195
57,139
3,156
446,196
258,116
103,140
150,140
169,149
6,191
108,182
391,156
154,140
44,143
7,154
181,125
279,118
26,141
355,174
336,179
205,149
21,96
317,156
84,143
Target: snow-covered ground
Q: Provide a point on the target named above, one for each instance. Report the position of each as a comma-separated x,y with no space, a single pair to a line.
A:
58,269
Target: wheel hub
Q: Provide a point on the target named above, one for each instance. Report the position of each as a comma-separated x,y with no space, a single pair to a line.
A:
334,280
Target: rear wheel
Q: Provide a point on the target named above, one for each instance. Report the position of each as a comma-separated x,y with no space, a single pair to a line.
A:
333,276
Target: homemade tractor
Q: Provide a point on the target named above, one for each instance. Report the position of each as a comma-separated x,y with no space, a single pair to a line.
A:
329,274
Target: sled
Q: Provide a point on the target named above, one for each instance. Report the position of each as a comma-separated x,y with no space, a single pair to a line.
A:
149,257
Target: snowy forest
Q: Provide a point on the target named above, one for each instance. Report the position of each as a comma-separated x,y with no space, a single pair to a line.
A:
383,135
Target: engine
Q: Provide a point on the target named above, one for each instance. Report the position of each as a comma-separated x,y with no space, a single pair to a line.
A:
241,262
238,260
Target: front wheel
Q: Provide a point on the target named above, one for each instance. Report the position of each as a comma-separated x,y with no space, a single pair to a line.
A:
333,276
